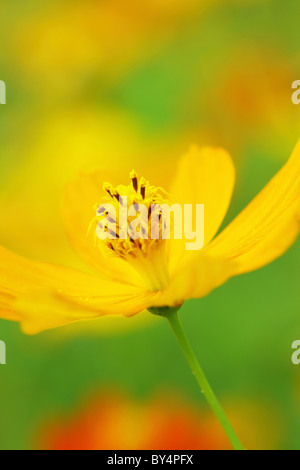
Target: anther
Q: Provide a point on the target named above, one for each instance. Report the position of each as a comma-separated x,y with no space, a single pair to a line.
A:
117,196
100,210
133,177
107,187
114,234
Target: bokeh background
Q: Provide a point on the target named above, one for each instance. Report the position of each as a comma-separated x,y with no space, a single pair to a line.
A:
108,83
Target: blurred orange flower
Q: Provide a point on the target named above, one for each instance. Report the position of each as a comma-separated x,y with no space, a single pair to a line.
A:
253,96
113,422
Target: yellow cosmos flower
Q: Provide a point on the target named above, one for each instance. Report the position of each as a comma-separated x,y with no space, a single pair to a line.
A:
133,276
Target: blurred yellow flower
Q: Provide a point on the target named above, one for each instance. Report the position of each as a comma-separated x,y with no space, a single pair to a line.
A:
64,45
163,274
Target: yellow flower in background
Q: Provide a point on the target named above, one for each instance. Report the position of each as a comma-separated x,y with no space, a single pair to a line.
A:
64,45
43,296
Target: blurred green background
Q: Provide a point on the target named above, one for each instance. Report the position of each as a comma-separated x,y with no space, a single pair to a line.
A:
96,83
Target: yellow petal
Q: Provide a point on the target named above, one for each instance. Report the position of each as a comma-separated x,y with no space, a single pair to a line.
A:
44,296
44,310
195,279
267,227
79,209
204,176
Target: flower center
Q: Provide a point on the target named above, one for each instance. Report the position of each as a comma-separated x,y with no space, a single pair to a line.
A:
129,226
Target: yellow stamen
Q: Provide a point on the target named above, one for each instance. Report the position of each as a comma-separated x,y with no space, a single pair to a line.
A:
146,255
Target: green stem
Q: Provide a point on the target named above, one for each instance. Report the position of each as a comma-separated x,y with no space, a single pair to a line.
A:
172,317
